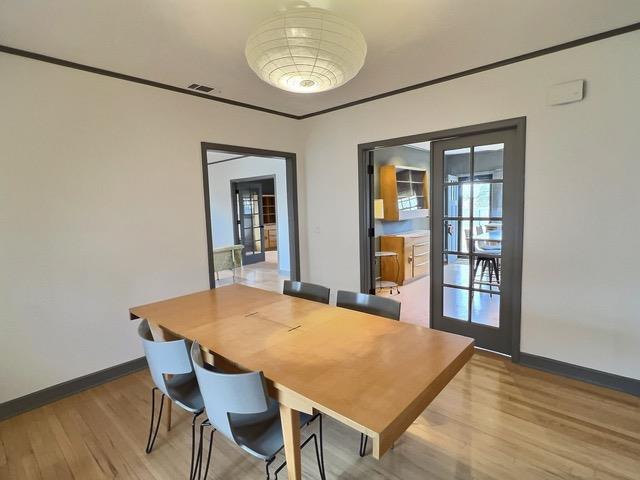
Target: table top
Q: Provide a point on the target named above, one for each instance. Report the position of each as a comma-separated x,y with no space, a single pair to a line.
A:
490,236
379,374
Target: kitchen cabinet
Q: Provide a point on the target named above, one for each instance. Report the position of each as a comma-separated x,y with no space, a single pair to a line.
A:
413,250
405,191
270,236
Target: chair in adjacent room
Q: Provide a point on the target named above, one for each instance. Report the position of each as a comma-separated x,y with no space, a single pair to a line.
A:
308,291
173,376
238,407
486,255
362,302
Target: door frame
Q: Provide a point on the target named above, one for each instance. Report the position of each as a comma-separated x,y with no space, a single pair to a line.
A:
292,200
366,212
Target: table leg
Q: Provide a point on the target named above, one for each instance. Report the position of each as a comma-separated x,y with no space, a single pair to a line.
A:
291,433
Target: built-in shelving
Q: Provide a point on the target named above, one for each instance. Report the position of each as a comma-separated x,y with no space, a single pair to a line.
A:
405,192
269,209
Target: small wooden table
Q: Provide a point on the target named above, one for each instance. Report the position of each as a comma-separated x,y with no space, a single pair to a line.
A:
373,374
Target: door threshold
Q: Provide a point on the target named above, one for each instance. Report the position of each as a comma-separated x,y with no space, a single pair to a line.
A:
486,350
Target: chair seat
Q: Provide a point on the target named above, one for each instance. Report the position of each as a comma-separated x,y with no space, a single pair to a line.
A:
489,251
261,433
183,389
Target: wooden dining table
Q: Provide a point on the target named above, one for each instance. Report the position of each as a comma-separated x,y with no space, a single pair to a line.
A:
371,373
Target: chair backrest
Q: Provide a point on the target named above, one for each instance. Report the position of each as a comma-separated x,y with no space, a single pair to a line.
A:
225,393
467,236
362,302
170,358
309,291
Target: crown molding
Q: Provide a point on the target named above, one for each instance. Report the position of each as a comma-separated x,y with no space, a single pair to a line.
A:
490,66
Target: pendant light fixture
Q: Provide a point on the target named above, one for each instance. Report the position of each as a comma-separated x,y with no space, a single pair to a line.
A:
306,50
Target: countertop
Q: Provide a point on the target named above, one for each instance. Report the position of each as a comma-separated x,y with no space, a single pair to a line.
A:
410,234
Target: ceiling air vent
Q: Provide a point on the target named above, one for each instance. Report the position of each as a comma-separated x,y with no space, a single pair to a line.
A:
200,88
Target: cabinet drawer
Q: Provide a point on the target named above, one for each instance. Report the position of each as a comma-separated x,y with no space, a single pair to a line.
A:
419,249
418,255
421,267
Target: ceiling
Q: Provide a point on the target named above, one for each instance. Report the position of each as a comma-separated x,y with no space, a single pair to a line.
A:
181,42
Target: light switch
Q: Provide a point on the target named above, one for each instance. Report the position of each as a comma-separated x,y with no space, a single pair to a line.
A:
567,92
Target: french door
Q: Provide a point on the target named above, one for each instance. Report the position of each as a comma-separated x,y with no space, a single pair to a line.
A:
476,237
249,222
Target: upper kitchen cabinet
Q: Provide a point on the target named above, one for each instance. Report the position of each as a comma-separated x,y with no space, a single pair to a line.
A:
405,192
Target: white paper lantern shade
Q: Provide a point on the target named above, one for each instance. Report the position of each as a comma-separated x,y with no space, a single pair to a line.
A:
306,50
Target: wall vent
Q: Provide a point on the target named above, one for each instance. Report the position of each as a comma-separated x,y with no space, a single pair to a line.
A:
200,88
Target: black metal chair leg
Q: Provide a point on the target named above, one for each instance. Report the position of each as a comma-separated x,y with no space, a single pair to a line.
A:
320,466
206,470
319,455
323,473
193,445
151,440
490,263
266,466
475,268
363,444
197,469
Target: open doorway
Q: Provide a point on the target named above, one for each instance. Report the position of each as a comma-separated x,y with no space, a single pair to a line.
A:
251,216
401,210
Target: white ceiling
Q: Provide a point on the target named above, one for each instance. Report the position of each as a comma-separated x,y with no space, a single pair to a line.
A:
180,42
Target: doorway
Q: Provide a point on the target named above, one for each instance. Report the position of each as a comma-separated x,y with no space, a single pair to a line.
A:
475,229
251,217
401,179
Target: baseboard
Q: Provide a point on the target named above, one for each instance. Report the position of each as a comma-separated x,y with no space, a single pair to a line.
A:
56,392
596,377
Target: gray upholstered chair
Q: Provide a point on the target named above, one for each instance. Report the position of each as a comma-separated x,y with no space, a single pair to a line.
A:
308,291
173,375
238,406
362,302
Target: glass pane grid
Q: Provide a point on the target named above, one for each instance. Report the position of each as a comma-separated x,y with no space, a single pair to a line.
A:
473,184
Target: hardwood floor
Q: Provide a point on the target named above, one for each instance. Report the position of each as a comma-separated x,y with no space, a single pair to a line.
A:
495,420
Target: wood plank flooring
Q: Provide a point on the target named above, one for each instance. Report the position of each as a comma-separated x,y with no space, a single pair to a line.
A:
494,421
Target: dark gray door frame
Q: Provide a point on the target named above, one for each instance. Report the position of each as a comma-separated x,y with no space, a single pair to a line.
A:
367,221
292,200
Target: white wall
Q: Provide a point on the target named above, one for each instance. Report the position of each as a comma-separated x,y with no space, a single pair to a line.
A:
580,281
101,209
220,176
